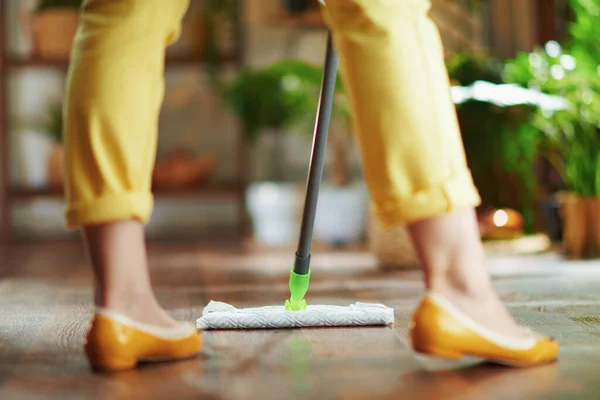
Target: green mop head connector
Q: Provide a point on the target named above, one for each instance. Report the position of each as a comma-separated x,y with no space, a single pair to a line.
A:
298,289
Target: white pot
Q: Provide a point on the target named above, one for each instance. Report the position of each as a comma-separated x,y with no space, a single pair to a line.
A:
35,149
342,213
275,210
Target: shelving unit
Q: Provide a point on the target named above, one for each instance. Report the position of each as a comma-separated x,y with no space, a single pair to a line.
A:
36,62
304,20
11,194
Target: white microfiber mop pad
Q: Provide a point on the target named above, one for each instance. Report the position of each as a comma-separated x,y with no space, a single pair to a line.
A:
219,315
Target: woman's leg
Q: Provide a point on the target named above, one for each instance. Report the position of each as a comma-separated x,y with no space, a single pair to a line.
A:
113,98
121,280
114,94
453,260
414,163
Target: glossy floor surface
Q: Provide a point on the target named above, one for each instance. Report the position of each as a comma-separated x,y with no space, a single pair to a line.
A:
45,305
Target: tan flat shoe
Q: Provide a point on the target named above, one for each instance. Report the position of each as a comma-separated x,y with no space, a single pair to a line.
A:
441,330
114,342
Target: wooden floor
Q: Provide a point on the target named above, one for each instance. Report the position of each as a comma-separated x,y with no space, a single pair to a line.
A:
45,305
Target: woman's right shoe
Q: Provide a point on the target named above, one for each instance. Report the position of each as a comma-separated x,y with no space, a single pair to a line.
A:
114,342
441,330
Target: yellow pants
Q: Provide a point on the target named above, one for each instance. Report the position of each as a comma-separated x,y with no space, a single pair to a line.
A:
391,61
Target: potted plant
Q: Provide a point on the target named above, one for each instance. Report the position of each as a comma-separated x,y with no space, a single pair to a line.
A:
52,127
277,99
572,145
52,26
572,135
575,135
181,168
343,197
267,103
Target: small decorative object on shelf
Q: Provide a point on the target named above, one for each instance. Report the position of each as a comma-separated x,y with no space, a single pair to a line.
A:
52,27
502,224
503,233
181,169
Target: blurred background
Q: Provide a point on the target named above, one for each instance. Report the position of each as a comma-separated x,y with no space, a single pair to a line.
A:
242,88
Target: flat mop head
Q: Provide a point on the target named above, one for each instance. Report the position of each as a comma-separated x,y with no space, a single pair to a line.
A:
219,315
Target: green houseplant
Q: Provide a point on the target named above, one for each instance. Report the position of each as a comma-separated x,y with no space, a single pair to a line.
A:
52,126
572,135
343,200
270,102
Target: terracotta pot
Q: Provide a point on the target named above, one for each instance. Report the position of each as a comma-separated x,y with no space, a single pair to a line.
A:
581,225
180,169
56,167
53,31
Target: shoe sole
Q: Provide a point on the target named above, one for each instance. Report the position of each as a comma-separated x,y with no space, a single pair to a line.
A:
445,360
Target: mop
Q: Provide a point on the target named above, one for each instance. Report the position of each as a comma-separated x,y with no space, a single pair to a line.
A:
296,313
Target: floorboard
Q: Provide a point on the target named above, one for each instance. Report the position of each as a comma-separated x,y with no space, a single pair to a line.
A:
45,306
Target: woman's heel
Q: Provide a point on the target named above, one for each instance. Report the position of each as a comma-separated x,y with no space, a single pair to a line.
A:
107,360
105,349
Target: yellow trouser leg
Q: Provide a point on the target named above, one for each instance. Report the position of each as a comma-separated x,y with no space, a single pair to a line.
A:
114,93
391,60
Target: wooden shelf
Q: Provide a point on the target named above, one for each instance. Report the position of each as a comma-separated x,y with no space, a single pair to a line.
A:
18,62
11,61
305,20
213,189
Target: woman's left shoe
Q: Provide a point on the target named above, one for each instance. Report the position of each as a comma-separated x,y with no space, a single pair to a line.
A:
115,342
440,329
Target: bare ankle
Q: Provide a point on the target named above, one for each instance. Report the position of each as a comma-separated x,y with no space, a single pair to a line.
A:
479,294
452,254
468,281
122,298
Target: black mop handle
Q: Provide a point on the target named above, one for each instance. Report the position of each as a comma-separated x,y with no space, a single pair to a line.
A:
319,146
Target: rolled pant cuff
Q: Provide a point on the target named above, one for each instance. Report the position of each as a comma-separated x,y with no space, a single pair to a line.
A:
457,193
110,207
